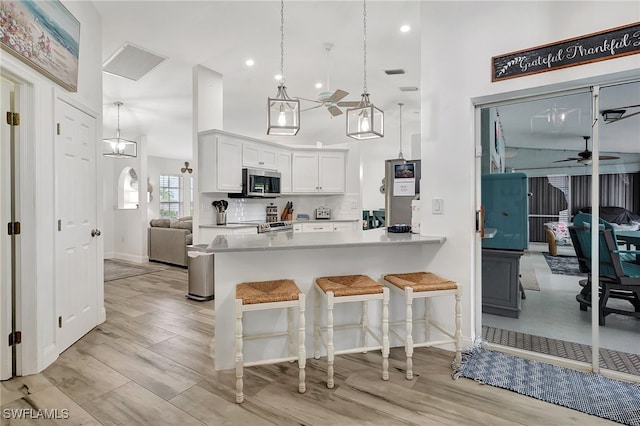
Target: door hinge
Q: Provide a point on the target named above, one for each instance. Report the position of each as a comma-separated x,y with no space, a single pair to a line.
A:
58,129
15,338
13,118
60,321
13,228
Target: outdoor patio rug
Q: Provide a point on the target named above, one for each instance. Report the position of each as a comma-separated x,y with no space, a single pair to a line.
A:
612,360
586,392
563,265
118,269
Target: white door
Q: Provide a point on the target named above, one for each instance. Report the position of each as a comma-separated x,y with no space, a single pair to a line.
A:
5,239
76,216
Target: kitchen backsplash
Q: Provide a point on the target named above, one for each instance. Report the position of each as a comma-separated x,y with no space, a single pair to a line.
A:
343,207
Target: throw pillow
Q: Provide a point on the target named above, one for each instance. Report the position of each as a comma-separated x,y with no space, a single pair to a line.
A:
561,232
160,223
184,224
185,218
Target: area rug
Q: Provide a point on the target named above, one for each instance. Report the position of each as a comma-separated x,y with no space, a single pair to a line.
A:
563,265
586,392
622,362
117,269
528,279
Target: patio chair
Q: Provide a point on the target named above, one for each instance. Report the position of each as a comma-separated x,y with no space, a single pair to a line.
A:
619,274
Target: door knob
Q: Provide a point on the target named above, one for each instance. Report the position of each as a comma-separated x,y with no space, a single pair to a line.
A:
95,233
98,232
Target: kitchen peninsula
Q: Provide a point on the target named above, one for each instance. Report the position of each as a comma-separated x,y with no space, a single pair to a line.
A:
303,257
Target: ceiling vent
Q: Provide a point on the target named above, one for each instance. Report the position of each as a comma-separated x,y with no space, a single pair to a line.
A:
132,62
409,89
394,72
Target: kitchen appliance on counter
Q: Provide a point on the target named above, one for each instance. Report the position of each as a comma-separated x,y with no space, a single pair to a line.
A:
279,226
272,213
323,213
258,183
401,186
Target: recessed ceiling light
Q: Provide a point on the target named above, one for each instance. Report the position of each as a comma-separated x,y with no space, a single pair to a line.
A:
405,28
278,77
318,85
249,62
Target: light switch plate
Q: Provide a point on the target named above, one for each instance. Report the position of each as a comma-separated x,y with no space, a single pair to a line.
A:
437,206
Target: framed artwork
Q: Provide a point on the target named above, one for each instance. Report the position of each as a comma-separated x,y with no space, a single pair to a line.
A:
43,35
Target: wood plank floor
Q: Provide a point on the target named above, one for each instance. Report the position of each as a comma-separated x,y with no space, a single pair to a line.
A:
151,363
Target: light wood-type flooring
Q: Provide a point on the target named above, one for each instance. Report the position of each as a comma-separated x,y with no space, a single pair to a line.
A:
151,363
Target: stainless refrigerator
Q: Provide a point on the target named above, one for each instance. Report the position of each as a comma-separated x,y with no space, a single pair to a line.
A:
401,186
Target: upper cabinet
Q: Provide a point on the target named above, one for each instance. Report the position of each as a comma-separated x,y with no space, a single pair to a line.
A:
219,163
284,167
257,156
318,172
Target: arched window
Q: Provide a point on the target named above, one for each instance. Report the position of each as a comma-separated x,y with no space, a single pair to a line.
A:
128,189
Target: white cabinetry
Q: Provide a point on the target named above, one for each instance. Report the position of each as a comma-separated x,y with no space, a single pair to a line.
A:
219,163
318,172
259,156
326,227
284,167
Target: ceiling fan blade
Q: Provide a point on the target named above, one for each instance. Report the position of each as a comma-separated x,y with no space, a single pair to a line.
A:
349,104
608,157
313,107
569,159
310,100
624,117
334,110
337,95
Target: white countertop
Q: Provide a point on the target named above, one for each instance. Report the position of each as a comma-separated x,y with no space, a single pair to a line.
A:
230,225
311,240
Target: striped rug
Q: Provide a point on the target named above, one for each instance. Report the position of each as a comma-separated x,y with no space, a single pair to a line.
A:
609,359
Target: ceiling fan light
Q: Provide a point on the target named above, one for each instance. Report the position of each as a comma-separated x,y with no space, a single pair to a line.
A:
585,161
613,114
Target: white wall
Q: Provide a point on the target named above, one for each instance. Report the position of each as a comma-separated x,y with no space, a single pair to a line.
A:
458,41
37,186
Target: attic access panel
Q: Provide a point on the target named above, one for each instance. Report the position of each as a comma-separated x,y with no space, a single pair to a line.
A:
132,62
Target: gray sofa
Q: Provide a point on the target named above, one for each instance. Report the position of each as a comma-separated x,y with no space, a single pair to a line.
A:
168,240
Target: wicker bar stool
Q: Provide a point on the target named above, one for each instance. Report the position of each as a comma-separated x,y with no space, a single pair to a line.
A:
266,295
424,285
345,289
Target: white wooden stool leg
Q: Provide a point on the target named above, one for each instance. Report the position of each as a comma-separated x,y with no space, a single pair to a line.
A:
316,324
385,334
239,357
409,339
291,331
427,320
330,347
364,323
458,335
302,354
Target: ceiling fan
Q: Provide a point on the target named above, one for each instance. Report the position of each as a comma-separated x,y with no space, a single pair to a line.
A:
614,115
328,99
585,157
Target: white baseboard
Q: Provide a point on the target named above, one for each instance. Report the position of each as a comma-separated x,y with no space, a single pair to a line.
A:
108,255
131,257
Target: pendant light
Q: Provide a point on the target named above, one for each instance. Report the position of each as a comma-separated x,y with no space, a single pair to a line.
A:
366,121
283,113
119,147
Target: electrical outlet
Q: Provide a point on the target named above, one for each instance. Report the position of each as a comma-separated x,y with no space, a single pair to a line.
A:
437,206
206,206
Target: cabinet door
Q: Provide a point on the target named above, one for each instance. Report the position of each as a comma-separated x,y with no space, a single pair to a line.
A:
228,165
331,172
284,167
317,227
260,157
206,163
343,227
245,231
305,172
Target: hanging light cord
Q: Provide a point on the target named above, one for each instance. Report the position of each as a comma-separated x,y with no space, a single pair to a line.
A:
364,21
400,155
282,41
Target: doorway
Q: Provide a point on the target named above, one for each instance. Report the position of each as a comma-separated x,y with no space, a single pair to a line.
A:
544,137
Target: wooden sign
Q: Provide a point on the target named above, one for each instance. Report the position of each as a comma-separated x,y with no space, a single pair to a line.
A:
613,43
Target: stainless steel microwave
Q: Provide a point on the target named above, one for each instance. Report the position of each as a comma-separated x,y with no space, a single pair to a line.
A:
258,183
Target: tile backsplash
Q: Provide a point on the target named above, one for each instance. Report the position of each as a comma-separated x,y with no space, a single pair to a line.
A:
343,207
